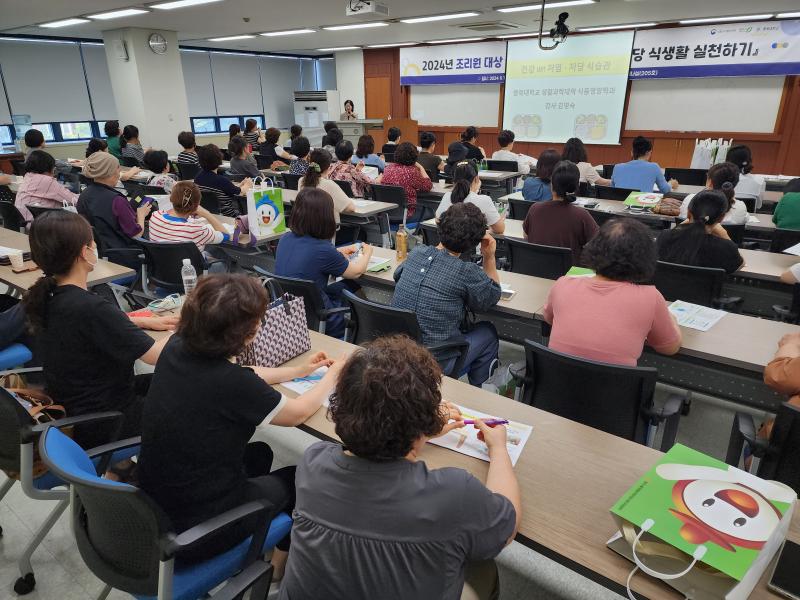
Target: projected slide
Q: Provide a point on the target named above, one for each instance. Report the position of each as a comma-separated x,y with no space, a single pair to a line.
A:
576,90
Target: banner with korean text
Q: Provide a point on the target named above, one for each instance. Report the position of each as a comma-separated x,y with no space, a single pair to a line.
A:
453,63
576,90
720,50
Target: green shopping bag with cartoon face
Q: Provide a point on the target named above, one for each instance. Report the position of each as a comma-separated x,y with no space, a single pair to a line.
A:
266,215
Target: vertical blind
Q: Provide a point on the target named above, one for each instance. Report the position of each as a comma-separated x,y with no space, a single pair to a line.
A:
280,77
237,85
94,58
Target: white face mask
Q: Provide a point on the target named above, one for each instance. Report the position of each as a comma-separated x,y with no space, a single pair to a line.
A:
96,257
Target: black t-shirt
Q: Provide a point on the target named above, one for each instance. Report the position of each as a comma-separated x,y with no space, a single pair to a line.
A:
473,152
714,253
389,148
270,152
198,417
88,350
430,162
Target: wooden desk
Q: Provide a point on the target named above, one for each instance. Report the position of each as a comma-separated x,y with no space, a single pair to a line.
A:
569,475
765,265
104,271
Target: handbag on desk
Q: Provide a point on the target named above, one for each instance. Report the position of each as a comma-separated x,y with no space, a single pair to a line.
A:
283,333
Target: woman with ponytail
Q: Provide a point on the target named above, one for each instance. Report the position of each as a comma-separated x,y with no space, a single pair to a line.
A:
701,241
317,176
559,222
469,138
466,185
749,186
723,177
88,344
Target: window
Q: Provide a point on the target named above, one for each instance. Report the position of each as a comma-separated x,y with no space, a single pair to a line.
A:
76,131
46,129
259,119
5,135
204,125
226,122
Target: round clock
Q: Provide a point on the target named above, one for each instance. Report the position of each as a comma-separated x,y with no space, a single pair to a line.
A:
157,43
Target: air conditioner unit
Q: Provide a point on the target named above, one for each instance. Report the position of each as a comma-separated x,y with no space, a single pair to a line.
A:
365,8
490,26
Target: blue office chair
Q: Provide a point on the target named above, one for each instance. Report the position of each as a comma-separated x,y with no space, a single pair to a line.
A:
128,542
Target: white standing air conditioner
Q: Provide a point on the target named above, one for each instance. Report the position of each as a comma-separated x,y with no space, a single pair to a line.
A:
312,109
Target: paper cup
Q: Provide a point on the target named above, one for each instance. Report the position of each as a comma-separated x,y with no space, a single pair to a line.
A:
17,261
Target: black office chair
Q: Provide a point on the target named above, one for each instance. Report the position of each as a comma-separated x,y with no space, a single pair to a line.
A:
430,235
236,177
347,233
395,194
316,313
783,239
735,232
40,210
507,166
750,203
791,313
687,176
698,285
187,171
347,188
135,190
129,161
226,154
776,458
6,195
18,167
209,201
549,262
291,180
153,190
608,171
265,162
388,157
612,398
370,320
518,209
12,219
605,192
164,261
586,190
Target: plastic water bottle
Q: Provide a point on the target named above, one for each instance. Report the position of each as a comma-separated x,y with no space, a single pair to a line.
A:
189,276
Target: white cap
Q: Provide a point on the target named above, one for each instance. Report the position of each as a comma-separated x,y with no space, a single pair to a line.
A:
187,261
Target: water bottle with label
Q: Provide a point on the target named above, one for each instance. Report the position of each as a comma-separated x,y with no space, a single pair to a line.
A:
189,276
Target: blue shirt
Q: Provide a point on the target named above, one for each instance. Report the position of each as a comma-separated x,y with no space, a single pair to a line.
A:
373,160
536,190
640,175
306,257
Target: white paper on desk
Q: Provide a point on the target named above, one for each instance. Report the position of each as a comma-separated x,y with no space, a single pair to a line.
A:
228,227
371,172
362,203
301,385
5,251
695,316
752,219
793,250
465,440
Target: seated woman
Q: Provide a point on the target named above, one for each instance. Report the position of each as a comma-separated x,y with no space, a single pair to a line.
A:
196,461
209,181
242,162
749,186
189,153
722,177
609,317
787,213
306,252
561,223
233,131
274,153
295,131
108,211
301,148
187,221
456,152
537,189
96,145
440,288
371,519
252,134
466,185
40,187
345,170
365,152
406,172
470,140
574,151
111,129
157,161
130,146
318,176
88,344
333,138
701,241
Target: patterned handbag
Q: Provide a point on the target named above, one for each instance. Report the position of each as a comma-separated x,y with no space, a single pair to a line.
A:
282,336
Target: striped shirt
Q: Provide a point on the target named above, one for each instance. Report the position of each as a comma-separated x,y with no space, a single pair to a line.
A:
188,158
223,188
251,137
165,227
133,151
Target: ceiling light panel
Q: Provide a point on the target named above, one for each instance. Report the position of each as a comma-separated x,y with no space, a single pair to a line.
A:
64,23
611,27
338,49
723,19
117,14
355,26
181,4
526,7
287,32
230,38
475,39
462,15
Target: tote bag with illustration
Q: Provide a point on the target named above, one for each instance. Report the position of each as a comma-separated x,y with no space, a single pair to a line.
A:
266,215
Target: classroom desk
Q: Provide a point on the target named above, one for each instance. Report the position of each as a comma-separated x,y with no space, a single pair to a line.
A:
104,271
767,266
569,476
507,177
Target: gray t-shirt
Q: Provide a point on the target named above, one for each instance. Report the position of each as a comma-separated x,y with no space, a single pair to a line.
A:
245,166
390,530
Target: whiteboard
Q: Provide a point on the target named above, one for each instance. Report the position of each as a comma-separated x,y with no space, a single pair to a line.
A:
455,105
748,104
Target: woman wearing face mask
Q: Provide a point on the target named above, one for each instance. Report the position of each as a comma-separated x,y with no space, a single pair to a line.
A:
88,344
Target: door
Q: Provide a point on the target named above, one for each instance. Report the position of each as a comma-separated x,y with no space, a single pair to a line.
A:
378,97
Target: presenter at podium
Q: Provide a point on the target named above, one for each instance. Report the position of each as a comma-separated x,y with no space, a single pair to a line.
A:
349,112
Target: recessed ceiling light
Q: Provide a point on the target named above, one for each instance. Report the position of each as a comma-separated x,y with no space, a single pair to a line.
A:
38,40
115,14
720,19
518,35
461,15
524,7
789,15
475,39
392,45
337,49
607,27
230,38
64,23
356,26
287,32
181,4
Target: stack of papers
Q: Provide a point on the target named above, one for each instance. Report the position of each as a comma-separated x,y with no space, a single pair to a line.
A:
793,250
695,316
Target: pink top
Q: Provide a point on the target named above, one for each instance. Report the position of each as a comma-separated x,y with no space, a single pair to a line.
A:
44,190
608,321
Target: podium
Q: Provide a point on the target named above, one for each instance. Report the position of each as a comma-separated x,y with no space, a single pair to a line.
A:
352,130
408,127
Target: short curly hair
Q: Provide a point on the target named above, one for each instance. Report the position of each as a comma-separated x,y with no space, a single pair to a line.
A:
461,227
209,326
386,398
623,250
406,154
